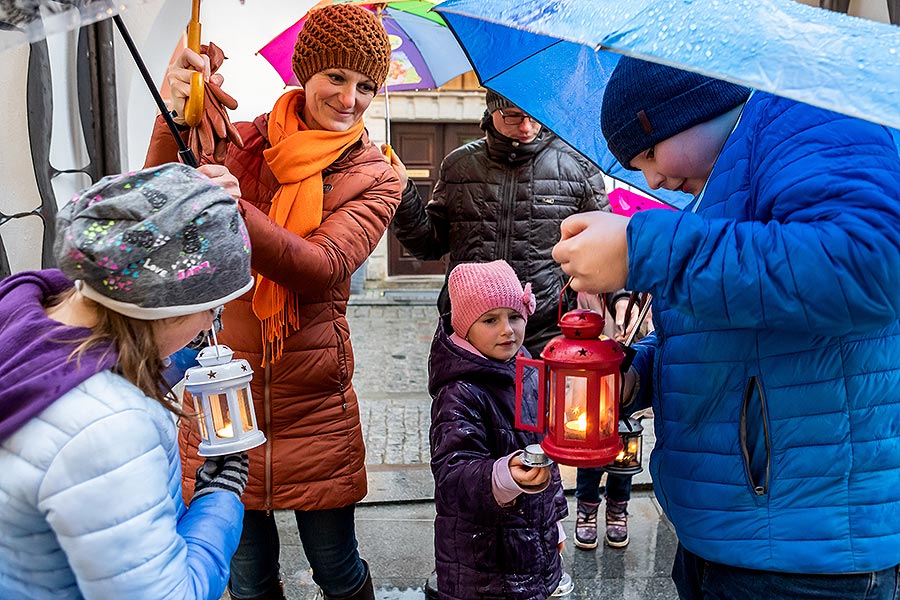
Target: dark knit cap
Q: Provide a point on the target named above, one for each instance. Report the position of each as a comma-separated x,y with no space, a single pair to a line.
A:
342,36
646,103
495,101
162,242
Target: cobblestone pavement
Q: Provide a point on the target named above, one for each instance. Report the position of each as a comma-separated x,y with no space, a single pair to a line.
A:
391,345
391,342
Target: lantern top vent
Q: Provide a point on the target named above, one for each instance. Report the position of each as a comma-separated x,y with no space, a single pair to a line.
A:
217,367
582,324
215,355
582,344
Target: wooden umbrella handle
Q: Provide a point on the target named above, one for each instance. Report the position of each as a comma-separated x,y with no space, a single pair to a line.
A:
193,108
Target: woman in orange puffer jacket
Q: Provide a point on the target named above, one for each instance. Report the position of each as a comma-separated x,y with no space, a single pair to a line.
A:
316,196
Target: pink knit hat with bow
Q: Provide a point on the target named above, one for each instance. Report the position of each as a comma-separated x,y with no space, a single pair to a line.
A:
476,288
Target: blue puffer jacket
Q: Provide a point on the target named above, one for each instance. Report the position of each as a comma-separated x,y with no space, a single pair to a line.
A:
776,364
485,551
90,505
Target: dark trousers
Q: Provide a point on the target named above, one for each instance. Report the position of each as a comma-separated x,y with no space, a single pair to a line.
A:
587,486
329,542
698,579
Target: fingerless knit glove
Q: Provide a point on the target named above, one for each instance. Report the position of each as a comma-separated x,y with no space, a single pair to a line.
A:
222,474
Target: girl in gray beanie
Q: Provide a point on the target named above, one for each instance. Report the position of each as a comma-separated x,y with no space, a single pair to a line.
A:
90,473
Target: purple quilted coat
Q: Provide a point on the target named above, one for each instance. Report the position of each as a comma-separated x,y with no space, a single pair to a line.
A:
484,551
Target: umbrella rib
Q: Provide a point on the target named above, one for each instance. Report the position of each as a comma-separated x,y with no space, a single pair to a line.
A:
472,62
499,73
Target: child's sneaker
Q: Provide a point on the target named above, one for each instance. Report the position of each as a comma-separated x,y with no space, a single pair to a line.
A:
565,587
616,524
586,525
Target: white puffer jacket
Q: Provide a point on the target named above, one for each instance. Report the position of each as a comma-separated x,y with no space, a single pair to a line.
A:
90,504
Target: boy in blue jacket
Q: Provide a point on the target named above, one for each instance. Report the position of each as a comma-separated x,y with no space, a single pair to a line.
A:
774,371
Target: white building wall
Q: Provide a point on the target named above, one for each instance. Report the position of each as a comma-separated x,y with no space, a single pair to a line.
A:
19,187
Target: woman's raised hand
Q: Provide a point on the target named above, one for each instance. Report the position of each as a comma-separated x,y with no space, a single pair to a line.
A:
178,76
220,175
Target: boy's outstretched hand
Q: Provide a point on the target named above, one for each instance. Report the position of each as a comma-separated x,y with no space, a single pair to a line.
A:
593,249
528,477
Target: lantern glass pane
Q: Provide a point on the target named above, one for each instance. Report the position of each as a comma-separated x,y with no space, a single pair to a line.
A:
218,406
633,447
243,396
609,424
529,412
198,407
576,413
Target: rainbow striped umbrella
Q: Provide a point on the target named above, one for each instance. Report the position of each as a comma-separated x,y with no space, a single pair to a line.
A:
425,54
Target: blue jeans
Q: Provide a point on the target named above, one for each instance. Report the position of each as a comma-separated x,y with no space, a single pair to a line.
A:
698,579
587,486
329,542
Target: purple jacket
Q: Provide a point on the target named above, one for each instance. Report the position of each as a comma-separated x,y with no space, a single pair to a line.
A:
35,350
482,550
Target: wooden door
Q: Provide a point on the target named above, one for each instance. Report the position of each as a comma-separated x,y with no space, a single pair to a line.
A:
422,146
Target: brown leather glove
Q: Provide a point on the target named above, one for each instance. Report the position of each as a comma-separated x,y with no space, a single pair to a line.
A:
210,138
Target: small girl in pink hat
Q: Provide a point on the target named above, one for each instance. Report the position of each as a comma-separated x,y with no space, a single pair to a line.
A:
497,530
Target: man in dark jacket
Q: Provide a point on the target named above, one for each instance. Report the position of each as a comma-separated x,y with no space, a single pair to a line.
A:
503,197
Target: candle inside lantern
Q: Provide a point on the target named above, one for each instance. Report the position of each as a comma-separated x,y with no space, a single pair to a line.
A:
225,432
577,427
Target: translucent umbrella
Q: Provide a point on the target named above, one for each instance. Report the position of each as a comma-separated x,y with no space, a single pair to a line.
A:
31,21
553,57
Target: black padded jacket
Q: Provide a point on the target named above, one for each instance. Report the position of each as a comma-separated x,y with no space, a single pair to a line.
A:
497,198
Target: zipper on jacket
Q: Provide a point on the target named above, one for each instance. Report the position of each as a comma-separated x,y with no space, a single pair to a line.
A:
343,370
507,213
267,410
761,487
658,407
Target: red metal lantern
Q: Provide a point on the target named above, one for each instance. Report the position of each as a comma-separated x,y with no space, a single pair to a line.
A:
578,381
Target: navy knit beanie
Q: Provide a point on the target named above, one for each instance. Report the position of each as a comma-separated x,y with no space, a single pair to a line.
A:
646,103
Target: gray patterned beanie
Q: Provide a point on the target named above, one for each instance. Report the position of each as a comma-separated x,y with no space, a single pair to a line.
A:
157,243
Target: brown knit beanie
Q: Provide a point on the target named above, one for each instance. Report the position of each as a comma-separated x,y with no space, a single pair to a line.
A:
345,36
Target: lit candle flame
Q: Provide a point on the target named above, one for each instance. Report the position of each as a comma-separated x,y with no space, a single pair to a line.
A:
577,426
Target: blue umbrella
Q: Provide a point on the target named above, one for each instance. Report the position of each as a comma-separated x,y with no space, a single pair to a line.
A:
552,58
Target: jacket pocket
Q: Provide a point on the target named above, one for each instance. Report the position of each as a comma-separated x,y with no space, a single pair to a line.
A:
754,435
343,364
544,200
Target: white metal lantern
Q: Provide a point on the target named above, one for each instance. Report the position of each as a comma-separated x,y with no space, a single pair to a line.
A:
220,387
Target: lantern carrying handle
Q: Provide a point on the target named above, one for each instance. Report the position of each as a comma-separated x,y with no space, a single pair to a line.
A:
561,293
211,333
647,300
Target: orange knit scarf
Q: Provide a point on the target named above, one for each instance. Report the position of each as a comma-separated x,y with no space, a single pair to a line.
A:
297,158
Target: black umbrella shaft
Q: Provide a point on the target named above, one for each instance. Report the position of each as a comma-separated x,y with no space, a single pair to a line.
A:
186,154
